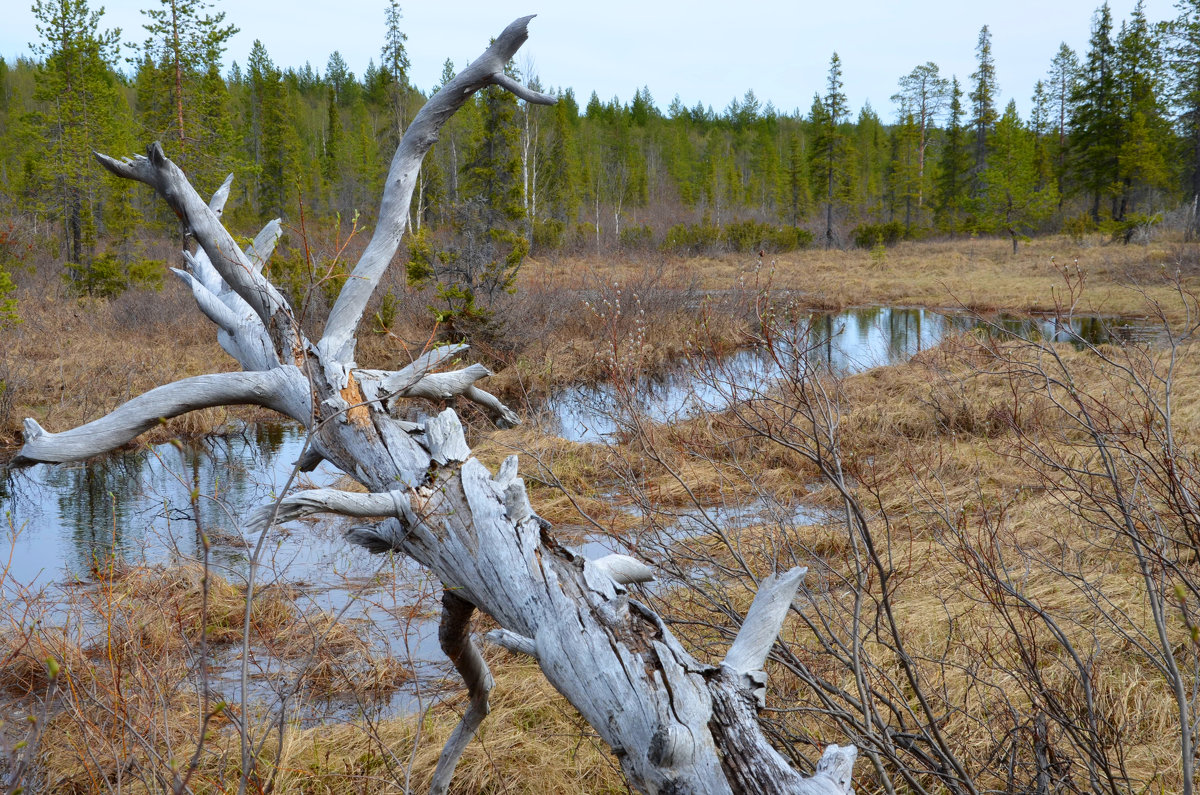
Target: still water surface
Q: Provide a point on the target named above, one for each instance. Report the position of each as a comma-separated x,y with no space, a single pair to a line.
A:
845,342
64,522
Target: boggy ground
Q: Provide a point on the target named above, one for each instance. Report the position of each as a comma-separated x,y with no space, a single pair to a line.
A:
1002,585
71,360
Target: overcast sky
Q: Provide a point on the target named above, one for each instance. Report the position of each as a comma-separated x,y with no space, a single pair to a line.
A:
702,50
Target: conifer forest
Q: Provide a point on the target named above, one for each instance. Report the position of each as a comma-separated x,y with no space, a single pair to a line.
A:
1112,141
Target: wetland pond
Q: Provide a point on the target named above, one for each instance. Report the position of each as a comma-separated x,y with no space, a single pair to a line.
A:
845,342
64,523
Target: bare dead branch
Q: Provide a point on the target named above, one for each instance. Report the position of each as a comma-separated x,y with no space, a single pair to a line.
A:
488,69
275,389
454,634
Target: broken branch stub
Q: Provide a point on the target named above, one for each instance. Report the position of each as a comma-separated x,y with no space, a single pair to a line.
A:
674,723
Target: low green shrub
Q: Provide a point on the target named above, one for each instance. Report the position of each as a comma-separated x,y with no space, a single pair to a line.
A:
637,236
871,235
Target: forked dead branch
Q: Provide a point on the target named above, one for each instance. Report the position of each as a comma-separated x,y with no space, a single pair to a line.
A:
675,724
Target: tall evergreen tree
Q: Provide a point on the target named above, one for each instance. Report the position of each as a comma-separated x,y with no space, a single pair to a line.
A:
491,245
923,95
560,188
1182,54
797,194
1096,117
1013,202
983,98
1145,137
954,167
641,108
83,111
830,144
331,150
764,179
904,176
1184,60
394,65
872,151
338,76
1061,81
183,47
1040,130
272,139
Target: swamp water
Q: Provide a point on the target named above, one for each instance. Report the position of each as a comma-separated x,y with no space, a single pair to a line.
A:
844,342
64,523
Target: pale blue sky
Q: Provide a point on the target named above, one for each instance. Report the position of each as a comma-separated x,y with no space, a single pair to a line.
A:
703,50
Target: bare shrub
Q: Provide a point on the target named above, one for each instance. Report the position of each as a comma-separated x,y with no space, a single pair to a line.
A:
1001,536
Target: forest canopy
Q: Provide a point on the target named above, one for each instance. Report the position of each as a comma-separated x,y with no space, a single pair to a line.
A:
1111,144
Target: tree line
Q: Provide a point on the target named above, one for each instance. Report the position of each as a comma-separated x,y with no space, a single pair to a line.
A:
1112,140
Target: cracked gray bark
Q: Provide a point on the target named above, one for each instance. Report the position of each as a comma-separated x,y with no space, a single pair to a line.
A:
675,724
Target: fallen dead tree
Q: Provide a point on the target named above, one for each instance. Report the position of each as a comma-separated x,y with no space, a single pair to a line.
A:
675,724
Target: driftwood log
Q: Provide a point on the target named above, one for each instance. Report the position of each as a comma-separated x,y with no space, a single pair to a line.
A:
675,724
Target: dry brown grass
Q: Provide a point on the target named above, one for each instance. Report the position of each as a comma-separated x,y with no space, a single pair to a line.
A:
532,743
941,447
122,718
129,647
976,274
944,432
71,360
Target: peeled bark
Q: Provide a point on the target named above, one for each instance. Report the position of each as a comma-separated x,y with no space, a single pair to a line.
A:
675,724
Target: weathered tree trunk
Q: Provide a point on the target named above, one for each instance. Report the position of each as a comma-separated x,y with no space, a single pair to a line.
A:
675,724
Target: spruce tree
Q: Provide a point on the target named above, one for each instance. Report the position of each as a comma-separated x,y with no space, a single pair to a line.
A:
1064,74
560,187
904,170
951,192
338,76
830,144
1013,202
641,108
1039,128
765,173
393,71
923,95
490,246
273,141
332,140
183,46
983,102
82,110
1184,60
873,156
797,194
1095,136
1146,135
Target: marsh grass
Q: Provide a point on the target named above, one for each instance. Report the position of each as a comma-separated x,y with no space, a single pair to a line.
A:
71,360
136,649
999,565
939,451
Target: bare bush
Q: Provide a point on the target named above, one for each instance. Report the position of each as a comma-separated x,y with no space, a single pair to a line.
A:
1004,589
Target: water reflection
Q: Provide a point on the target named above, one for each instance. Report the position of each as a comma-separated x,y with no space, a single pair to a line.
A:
844,342
65,522
142,507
